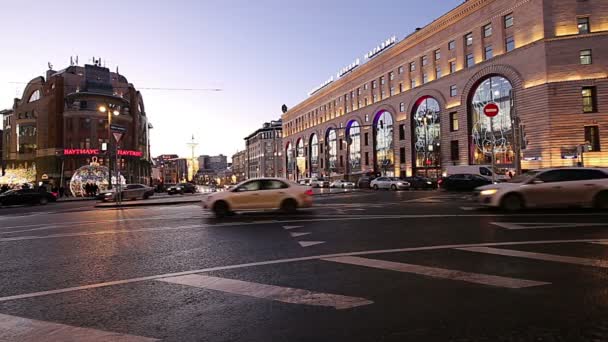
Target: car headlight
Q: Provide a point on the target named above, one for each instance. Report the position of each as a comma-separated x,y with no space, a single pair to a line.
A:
489,192
429,183
178,188
108,194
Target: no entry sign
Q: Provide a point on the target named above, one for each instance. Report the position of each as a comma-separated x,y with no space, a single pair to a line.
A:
491,110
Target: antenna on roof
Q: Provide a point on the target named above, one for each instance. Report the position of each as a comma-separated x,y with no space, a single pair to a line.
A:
76,59
71,61
50,65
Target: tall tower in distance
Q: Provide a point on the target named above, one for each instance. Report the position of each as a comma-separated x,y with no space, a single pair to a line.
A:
192,161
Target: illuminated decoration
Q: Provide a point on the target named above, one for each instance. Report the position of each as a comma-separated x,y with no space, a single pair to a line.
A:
91,174
499,90
427,133
19,176
348,68
95,151
129,153
384,151
381,48
325,84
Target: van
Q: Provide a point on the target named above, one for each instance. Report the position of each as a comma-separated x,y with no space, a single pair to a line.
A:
481,170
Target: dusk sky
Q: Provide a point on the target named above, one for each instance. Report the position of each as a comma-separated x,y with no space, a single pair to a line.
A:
261,53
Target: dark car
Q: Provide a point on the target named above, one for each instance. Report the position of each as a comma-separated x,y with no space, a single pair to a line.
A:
182,188
417,182
26,196
364,182
463,182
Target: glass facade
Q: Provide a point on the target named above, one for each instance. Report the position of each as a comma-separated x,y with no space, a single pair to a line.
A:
313,154
426,119
354,147
332,150
289,159
300,159
384,146
498,133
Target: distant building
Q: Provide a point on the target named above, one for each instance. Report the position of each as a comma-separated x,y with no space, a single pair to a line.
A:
4,146
263,151
239,165
171,169
212,163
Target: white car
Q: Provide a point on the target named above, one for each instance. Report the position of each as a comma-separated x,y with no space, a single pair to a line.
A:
130,192
319,182
389,183
260,194
561,187
341,184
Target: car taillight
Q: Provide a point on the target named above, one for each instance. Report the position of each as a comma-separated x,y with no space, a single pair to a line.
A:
440,181
308,192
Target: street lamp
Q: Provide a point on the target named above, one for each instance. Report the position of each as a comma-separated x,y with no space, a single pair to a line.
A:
112,111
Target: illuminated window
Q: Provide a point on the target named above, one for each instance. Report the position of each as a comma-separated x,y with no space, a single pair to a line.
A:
468,39
402,107
452,67
437,55
438,72
452,45
453,91
488,52
425,60
592,138
508,20
589,100
382,80
583,25
413,83
510,44
487,30
374,85
585,56
412,66
453,121
391,76
470,60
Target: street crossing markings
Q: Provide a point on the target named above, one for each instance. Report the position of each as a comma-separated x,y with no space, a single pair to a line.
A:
484,279
292,227
270,292
310,243
538,256
13,328
298,234
545,225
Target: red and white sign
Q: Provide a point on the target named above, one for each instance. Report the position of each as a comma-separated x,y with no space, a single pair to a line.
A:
94,151
117,136
491,110
130,153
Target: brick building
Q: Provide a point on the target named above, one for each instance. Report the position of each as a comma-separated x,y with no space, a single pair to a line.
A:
416,105
264,152
239,166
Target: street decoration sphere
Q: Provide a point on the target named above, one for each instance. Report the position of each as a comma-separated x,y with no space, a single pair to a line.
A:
90,174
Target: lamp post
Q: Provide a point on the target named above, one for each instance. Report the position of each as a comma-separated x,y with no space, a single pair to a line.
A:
111,111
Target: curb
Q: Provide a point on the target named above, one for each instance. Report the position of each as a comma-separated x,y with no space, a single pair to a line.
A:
144,204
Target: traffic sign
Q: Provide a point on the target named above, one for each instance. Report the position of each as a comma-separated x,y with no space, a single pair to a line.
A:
117,128
117,136
491,110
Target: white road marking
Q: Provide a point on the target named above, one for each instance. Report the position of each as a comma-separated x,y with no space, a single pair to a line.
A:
469,208
14,328
292,227
310,243
477,278
538,256
544,225
290,260
271,292
298,234
600,243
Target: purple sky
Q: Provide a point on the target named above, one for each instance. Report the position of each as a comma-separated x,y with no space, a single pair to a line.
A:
262,53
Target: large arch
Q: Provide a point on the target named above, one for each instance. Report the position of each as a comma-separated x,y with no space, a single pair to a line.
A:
289,160
300,159
426,137
353,139
313,155
331,151
384,144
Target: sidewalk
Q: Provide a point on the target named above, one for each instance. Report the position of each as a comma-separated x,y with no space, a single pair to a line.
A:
162,199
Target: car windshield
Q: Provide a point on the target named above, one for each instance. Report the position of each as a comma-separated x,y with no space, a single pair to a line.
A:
524,177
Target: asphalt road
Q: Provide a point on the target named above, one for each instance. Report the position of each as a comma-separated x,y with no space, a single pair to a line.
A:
360,266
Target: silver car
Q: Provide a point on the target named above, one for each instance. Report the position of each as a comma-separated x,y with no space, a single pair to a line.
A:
130,192
389,183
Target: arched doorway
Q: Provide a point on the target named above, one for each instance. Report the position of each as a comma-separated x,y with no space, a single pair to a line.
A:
426,137
499,90
289,161
384,156
313,155
300,160
353,135
331,143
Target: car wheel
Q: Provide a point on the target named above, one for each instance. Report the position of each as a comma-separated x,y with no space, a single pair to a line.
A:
601,201
43,201
394,187
220,209
375,186
146,196
512,202
289,206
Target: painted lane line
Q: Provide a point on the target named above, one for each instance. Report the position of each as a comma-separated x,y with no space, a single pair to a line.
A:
477,278
310,243
13,328
298,234
469,208
538,256
600,243
290,260
544,225
292,227
270,292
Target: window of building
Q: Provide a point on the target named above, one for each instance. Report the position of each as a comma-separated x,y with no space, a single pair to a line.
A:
400,87
365,86
392,91
583,25
366,156
402,107
402,155
391,75
425,60
375,98
413,83
437,54
488,52
468,39
374,85
589,100
452,67
412,66
358,91
508,20
382,80
585,56
470,60
454,150
366,117
487,30
35,96
453,121
425,78
453,91
366,101
592,138
438,72
452,45
402,132
341,142
400,70
366,141
510,44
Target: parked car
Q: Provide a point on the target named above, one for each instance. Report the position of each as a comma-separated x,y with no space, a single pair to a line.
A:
182,188
586,187
417,182
319,182
130,192
463,182
364,182
391,183
340,183
304,181
259,194
26,196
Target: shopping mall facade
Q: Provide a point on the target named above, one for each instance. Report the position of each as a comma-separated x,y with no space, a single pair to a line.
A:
415,106
60,124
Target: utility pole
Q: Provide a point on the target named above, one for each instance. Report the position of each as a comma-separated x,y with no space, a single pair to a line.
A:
192,145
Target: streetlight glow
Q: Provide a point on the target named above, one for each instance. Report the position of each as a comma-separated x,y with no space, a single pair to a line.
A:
102,109
115,112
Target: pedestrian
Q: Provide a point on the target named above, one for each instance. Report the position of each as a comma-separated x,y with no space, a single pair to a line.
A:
87,189
510,174
95,189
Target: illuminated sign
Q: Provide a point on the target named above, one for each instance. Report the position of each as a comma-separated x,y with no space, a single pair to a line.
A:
325,84
378,49
348,68
130,153
94,151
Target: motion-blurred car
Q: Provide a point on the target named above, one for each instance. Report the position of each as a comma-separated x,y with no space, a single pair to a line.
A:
585,187
417,182
390,183
304,181
463,182
364,182
182,188
340,183
260,194
319,182
130,192
26,196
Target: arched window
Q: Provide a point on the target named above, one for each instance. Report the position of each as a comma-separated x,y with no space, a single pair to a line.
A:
34,97
313,154
426,121
499,132
384,145
354,146
289,158
300,159
332,150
